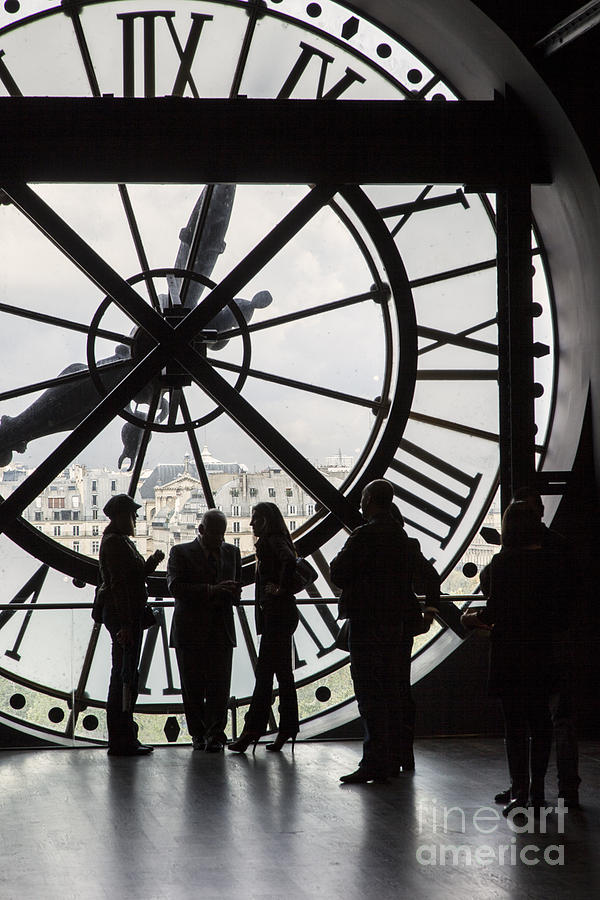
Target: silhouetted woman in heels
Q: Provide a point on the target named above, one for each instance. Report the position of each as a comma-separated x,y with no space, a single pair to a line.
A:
276,621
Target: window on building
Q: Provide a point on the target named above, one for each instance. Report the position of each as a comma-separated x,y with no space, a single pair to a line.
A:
76,515
94,514
76,546
271,492
288,492
236,542
94,485
253,492
65,515
236,527
292,509
234,492
56,516
76,530
75,501
56,502
38,502
94,499
38,517
95,546
292,526
95,530
113,485
235,510
310,509
57,531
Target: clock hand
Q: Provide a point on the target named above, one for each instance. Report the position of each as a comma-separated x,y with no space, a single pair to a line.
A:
203,238
202,241
60,408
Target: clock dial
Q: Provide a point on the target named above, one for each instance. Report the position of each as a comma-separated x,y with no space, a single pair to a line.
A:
322,317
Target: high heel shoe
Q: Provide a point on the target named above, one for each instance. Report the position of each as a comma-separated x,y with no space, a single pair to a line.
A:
243,742
276,745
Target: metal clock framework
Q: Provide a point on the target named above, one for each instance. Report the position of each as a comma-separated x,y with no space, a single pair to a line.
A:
390,293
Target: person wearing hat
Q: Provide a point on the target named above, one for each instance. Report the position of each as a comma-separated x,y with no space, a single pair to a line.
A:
120,603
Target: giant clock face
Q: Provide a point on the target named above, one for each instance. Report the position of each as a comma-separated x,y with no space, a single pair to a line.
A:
362,319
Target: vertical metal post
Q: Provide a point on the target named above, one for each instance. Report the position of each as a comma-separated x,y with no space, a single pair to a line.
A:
515,340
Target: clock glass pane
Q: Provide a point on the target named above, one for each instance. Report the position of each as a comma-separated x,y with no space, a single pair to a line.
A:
363,344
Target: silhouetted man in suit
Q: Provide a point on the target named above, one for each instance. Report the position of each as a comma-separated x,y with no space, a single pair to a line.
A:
376,569
204,578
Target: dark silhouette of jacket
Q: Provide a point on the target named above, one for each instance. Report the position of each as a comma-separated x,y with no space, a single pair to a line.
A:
378,569
276,565
527,607
122,594
202,611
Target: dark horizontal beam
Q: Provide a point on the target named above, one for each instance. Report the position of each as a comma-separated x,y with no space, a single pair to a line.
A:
107,139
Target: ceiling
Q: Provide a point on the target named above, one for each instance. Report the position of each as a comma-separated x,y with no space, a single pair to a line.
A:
570,71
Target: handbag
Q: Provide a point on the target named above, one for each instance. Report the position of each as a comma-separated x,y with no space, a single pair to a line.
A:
304,576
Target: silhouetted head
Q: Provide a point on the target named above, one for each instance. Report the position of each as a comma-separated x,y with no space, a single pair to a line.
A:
521,526
396,514
122,509
531,497
377,498
267,519
212,528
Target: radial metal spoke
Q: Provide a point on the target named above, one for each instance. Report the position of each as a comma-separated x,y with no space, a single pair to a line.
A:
60,380
174,402
138,244
200,468
457,375
454,426
299,385
301,314
268,437
89,262
63,323
454,273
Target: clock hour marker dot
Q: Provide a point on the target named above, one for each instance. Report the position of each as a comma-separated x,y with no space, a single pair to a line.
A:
469,570
323,693
536,310
90,723
414,76
56,714
12,6
384,51
438,97
17,701
313,10
538,389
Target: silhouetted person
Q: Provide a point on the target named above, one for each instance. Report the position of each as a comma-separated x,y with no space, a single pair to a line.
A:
276,621
120,604
526,610
376,569
204,577
561,706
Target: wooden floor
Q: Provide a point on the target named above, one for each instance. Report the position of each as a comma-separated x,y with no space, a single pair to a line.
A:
183,824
